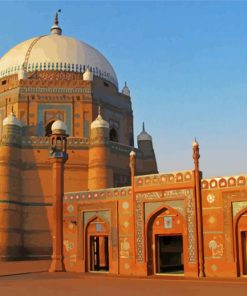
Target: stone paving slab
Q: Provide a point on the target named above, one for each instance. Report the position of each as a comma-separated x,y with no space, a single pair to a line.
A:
21,267
64,284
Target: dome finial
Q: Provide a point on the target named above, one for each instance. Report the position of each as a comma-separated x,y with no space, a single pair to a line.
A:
195,143
143,126
55,29
99,110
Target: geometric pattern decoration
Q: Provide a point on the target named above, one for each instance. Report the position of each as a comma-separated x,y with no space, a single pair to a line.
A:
165,196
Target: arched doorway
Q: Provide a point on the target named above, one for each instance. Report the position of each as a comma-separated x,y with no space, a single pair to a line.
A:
113,135
97,245
165,244
48,131
241,243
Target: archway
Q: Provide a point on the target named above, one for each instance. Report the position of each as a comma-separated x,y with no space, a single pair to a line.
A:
165,244
48,131
97,246
241,243
113,135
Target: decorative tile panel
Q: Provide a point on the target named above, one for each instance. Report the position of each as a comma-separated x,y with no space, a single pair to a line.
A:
164,196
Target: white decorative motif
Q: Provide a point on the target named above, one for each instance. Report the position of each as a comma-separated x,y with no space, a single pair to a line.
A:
126,266
68,245
125,205
124,248
70,208
217,249
210,198
212,244
126,224
71,226
211,219
214,267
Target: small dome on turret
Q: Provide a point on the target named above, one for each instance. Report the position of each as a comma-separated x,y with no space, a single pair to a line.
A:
144,136
59,126
132,153
88,75
99,121
126,90
195,143
12,120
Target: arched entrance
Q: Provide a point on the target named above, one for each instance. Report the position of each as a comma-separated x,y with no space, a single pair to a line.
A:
113,135
97,245
241,243
165,251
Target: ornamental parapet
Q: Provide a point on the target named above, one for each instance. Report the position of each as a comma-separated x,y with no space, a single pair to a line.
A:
118,147
164,179
224,182
109,193
44,142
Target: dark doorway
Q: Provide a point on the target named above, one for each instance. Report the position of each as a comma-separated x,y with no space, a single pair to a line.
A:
48,131
244,251
169,254
99,255
113,135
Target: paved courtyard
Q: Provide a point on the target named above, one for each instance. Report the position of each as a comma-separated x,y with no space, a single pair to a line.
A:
30,278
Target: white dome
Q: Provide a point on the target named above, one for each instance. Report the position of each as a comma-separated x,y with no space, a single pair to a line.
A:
99,122
56,52
59,125
12,120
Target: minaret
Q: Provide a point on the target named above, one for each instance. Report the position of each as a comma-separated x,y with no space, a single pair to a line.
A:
145,144
10,189
55,29
198,202
58,157
99,174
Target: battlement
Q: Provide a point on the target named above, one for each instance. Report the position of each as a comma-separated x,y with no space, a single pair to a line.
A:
164,179
109,193
224,182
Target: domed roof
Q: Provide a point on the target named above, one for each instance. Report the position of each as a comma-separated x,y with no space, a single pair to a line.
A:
12,120
59,125
99,122
56,52
144,136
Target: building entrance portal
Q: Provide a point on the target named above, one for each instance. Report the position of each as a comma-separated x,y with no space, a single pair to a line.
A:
169,254
99,255
97,244
242,244
244,251
166,247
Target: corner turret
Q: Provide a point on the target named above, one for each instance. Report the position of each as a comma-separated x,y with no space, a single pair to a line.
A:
11,240
145,144
99,174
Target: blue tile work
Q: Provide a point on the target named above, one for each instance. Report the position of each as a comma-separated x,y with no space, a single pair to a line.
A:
44,107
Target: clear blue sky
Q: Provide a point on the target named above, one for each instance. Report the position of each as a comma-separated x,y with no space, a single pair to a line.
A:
185,63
